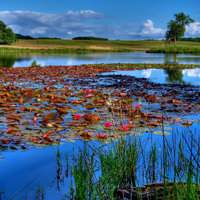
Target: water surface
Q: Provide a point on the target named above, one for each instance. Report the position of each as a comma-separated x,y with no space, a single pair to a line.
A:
20,168
177,76
23,60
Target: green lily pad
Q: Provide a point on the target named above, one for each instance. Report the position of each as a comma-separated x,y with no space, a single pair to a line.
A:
97,127
137,134
144,129
161,133
165,128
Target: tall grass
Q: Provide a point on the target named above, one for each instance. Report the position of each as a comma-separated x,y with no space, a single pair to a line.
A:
97,173
142,166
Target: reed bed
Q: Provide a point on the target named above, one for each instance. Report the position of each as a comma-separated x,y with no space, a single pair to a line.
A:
139,167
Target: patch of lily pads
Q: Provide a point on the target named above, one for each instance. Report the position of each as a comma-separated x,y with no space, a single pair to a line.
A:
66,103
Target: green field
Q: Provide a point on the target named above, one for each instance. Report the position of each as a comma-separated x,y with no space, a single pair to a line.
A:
94,44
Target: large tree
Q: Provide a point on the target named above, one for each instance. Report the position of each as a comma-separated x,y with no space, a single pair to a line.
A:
176,28
6,34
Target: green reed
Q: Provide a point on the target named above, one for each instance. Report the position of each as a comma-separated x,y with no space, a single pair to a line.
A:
127,162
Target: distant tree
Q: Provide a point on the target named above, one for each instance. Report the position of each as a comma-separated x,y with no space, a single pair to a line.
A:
55,38
90,38
20,36
176,28
6,34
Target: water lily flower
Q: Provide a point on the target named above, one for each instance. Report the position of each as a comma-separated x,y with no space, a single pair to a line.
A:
108,124
137,106
35,119
77,116
87,91
125,128
66,87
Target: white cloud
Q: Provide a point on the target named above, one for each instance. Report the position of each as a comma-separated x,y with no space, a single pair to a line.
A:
147,30
51,25
15,28
40,30
193,30
82,23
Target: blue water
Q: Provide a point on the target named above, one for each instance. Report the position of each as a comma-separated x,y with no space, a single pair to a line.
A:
79,59
189,76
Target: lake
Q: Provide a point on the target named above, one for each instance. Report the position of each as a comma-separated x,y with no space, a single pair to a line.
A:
37,167
188,76
23,60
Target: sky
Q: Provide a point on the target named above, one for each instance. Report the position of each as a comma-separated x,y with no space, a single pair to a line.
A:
112,19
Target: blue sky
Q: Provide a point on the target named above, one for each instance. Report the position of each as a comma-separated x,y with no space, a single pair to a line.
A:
113,19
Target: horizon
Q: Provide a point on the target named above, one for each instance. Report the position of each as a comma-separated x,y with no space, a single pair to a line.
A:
98,37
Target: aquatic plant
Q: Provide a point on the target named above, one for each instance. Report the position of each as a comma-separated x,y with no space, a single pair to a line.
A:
34,64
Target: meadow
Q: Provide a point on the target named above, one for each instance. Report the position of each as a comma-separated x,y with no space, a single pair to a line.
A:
55,45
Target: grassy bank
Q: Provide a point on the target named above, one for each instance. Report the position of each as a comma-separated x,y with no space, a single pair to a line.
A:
61,50
175,49
53,45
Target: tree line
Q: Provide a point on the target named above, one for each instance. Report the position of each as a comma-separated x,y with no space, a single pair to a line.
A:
20,36
90,38
197,39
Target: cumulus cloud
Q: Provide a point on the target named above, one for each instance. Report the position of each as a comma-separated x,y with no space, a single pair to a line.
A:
147,30
82,23
61,25
193,30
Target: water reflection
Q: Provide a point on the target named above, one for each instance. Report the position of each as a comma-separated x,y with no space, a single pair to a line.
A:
174,76
169,60
25,59
7,60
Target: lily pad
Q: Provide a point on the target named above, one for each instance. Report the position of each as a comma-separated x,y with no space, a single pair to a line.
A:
166,128
161,133
144,129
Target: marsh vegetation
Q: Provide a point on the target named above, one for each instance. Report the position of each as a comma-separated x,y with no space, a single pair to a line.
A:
135,133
